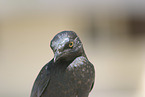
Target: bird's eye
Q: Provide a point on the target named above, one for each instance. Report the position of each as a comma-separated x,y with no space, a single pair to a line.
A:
71,44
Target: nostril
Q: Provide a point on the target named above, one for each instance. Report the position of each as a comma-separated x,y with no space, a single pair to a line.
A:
60,50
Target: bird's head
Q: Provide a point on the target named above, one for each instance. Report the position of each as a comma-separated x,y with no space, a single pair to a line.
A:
66,45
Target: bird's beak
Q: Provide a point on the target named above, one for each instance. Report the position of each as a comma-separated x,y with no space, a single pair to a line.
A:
58,52
56,55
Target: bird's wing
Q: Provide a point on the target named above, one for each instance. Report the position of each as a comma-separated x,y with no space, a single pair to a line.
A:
92,86
93,69
83,61
42,80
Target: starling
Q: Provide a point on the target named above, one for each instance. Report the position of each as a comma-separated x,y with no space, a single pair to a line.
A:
69,73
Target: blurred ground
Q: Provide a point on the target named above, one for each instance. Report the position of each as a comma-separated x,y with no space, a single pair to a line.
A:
113,34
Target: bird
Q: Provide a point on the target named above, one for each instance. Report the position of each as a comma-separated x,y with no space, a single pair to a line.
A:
69,73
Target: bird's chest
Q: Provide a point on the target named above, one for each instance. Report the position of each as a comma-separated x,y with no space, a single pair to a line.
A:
64,85
64,80
67,82
71,78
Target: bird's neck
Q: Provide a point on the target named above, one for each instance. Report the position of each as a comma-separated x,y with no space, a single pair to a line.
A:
83,53
61,65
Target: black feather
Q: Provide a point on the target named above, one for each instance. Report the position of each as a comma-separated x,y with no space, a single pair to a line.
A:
70,74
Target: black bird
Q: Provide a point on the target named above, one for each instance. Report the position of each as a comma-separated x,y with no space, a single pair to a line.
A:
69,73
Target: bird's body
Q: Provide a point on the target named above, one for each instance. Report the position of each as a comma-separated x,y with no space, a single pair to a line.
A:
65,77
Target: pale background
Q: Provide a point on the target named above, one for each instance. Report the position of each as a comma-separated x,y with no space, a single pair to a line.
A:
112,32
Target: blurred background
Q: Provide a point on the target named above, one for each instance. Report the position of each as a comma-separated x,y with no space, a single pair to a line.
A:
112,32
